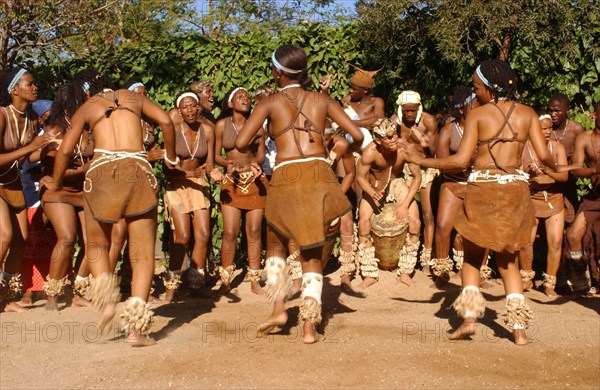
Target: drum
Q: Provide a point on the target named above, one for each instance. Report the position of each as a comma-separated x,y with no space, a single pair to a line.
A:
387,232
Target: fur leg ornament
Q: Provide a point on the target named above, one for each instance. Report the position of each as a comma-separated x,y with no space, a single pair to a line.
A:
294,265
81,285
518,314
425,257
105,290
459,258
14,285
347,262
368,262
408,258
172,280
278,282
227,274
196,278
485,273
549,281
254,275
527,275
4,294
54,287
137,316
312,287
441,266
470,303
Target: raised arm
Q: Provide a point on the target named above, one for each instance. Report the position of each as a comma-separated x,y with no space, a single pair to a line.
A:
253,124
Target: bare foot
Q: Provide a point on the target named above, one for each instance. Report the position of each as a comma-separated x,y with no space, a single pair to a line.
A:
550,293
153,299
108,312
135,339
367,282
427,269
442,280
79,301
310,333
527,285
271,323
13,307
256,289
520,336
346,284
405,278
466,329
52,304
169,295
484,284
27,299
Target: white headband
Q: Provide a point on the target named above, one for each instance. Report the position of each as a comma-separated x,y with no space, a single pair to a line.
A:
236,90
15,80
409,97
545,116
467,101
186,95
135,85
486,81
283,68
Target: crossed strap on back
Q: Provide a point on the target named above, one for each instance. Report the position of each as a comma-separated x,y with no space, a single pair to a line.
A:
308,125
495,139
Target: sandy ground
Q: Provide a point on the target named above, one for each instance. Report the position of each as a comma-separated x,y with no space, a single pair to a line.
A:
395,337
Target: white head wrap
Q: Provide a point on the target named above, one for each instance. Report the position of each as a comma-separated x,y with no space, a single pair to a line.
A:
187,95
545,116
133,86
232,94
409,97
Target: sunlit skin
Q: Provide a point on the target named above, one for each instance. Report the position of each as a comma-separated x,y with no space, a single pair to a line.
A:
247,159
13,222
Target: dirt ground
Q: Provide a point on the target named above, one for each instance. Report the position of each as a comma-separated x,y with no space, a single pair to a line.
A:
395,337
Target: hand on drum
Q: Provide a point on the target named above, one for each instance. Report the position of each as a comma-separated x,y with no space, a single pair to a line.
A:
402,213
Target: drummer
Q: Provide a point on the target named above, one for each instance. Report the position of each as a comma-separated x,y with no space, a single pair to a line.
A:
379,169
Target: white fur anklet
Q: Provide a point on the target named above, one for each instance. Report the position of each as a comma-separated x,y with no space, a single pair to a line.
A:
527,275
196,278
81,285
368,262
254,275
549,281
441,267
470,303
294,265
347,262
4,293
137,316
425,257
575,255
105,290
459,258
54,287
172,280
278,282
13,285
485,273
312,287
408,258
227,274
518,314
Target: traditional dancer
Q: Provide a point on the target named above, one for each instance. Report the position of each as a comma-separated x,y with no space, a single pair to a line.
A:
497,211
452,192
118,184
583,236
303,176
380,175
187,195
420,129
243,189
18,141
545,187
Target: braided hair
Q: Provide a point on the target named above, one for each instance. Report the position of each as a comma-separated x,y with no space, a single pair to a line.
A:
58,113
500,77
460,95
87,81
